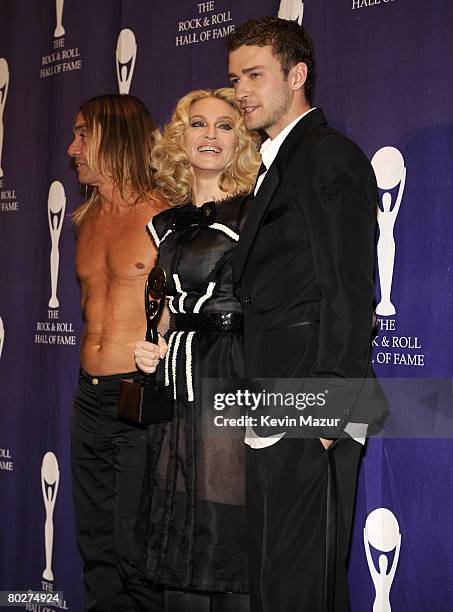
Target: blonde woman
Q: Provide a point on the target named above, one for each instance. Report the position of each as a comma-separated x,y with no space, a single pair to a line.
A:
193,521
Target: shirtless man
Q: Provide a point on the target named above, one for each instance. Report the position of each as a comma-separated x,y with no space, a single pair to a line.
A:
111,150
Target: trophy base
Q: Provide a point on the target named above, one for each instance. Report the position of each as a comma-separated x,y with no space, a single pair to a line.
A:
385,309
143,403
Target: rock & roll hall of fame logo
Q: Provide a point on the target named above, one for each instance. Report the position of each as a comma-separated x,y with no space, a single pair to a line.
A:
56,206
60,58
395,344
4,83
59,29
2,336
8,198
382,532
292,10
50,480
126,54
390,170
54,330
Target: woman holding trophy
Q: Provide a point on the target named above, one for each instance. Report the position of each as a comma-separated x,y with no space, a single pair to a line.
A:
192,523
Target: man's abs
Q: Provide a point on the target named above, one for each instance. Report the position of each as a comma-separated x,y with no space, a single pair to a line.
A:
114,321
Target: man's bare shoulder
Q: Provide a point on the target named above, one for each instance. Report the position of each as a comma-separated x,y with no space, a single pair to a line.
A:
90,217
145,210
82,214
157,203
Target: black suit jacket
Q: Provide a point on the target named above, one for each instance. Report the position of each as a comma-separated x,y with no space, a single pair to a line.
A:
303,269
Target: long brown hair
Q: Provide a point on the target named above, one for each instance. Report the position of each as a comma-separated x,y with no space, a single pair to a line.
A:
119,146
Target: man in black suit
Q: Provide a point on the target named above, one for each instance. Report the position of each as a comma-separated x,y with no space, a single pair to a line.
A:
303,271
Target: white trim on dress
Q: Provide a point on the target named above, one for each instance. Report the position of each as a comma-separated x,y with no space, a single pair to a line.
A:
199,303
226,230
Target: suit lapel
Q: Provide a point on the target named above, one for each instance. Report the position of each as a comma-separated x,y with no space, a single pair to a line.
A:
251,226
267,189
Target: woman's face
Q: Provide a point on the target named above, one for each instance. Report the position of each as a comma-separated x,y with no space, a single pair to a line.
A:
210,138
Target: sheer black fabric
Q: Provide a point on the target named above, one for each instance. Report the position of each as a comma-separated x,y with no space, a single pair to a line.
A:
192,519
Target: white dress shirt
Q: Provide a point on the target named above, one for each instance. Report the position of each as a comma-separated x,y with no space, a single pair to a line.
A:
270,147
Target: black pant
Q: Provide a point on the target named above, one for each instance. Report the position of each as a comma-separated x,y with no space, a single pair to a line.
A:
300,501
108,461
181,601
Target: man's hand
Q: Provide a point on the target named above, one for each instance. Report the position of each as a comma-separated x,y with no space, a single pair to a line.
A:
326,443
148,355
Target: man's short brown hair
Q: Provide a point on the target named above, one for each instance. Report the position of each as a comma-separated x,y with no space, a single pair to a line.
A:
290,42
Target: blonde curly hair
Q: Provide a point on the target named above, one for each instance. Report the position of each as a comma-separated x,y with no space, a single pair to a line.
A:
171,164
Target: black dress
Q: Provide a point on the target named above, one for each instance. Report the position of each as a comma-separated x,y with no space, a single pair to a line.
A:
192,520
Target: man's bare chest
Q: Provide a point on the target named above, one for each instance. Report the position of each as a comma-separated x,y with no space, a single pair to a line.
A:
117,252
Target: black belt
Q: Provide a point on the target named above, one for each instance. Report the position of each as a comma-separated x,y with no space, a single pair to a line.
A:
96,380
211,321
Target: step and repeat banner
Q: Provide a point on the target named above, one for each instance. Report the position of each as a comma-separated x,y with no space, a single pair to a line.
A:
385,79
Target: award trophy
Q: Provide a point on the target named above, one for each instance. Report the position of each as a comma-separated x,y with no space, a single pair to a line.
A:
2,335
383,533
388,165
142,400
293,10
126,53
50,479
4,82
56,205
59,29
